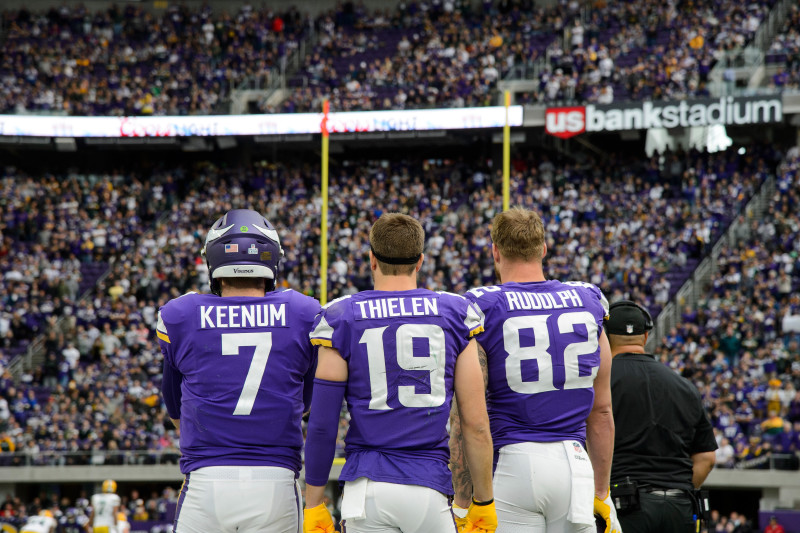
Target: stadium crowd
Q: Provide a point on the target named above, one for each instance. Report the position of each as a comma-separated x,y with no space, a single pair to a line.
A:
72,514
648,50
59,233
784,53
741,344
437,54
130,61
95,395
125,60
447,55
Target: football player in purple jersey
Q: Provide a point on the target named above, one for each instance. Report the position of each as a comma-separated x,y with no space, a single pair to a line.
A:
547,364
238,373
397,354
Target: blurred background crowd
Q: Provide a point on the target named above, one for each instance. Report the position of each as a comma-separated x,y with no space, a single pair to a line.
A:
125,60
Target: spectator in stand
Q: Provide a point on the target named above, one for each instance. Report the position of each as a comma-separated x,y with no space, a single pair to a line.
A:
773,526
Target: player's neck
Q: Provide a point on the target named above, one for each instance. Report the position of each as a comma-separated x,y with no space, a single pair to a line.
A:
522,273
230,291
395,283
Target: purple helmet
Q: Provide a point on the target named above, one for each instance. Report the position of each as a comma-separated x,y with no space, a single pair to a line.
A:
242,244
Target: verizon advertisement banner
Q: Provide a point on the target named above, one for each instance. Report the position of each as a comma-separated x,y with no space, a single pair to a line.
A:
566,122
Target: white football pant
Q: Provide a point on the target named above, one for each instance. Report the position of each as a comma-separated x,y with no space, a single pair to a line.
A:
533,488
395,508
239,499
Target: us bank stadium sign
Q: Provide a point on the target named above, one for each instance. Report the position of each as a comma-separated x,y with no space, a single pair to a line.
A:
566,122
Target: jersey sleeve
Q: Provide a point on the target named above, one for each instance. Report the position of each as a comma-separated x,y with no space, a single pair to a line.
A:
164,342
482,299
171,377
322,332
473,320
168,325
328,325
464,318
311,309
161,329
595,292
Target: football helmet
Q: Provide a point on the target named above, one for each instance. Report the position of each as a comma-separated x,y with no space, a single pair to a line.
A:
242,244
46,512
109,486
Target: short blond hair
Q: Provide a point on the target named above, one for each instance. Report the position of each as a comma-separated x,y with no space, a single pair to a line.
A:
395,235
519,234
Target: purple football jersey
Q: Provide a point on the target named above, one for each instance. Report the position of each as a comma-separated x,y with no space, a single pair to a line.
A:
542,346
243,363
401,349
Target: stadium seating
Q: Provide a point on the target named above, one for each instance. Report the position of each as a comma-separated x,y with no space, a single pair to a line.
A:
418,59
127,61
784,55
648,50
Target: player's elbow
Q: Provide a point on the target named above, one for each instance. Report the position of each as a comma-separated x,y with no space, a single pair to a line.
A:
602,407
600,419
476,428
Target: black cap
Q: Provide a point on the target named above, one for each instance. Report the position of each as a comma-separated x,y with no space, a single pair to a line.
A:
628,318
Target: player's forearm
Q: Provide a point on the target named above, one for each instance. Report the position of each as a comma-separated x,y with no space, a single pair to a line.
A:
462,481
702,464
477,442
600,446
476,437
314,495
323,424
176,422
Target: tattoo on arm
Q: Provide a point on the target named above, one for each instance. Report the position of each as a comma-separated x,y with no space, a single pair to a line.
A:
462,481
484,365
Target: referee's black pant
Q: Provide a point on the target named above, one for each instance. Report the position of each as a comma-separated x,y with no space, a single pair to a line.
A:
660,512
